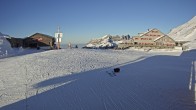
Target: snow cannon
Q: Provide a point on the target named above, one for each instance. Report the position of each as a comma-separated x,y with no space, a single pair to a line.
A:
116,70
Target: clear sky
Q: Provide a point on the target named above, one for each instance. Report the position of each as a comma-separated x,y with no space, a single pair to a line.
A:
83,20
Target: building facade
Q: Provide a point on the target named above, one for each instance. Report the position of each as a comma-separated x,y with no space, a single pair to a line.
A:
165,42
152,38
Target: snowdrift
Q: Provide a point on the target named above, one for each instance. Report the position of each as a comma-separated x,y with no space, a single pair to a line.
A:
5,47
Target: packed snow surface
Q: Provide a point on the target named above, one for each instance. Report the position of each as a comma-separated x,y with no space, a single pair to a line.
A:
82,79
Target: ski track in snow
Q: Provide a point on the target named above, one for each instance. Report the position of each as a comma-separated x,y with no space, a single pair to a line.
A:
76,79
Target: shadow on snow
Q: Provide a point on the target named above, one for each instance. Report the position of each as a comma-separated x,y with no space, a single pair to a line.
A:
158,82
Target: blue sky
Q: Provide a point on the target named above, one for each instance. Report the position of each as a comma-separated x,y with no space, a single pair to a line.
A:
83,20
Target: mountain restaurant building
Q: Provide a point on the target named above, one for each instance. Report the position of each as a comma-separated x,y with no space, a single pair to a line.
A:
39,40
153,38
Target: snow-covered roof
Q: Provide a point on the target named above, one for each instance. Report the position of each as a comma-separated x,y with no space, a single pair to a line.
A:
141,34
159,38
149,30
163,36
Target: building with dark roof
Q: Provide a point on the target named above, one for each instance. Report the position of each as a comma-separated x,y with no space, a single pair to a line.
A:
38,40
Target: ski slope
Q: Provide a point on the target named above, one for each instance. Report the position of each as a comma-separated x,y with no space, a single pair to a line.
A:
77,79
184,32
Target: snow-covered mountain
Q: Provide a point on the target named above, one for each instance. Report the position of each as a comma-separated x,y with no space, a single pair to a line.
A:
106,41
185,32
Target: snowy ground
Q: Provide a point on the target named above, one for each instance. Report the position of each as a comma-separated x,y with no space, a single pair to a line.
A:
78,79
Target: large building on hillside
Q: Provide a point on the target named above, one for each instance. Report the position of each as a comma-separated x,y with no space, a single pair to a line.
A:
152,38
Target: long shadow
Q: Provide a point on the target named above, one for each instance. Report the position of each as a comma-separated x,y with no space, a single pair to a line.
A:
158,82
75,76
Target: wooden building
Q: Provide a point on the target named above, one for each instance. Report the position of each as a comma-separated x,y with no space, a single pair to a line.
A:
39,40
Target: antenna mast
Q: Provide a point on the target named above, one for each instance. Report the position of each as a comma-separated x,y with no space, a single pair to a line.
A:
58,36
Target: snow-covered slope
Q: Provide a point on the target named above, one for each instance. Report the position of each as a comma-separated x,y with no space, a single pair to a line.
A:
185,32
34,68
79,79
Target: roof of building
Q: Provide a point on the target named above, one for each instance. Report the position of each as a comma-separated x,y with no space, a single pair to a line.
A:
163,36
42,35
159,38
149,30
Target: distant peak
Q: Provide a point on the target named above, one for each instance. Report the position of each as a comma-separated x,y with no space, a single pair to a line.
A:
106,36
